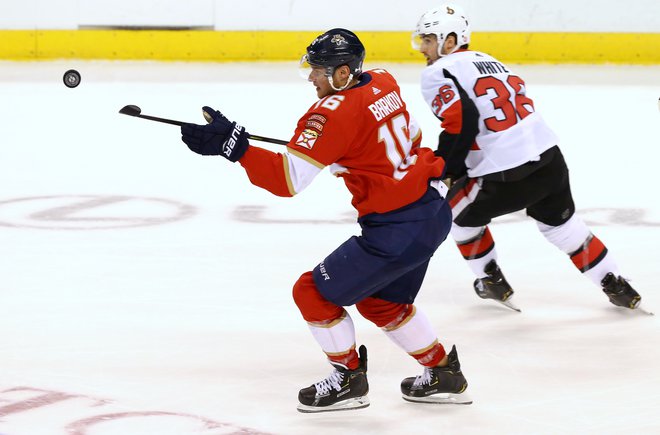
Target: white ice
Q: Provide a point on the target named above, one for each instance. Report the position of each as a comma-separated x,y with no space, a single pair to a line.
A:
147,290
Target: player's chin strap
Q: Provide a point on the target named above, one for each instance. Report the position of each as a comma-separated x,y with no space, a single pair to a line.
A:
348,82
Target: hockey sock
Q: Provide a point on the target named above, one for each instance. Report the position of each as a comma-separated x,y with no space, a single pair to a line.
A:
414,334
311,303
349,359
476,246
337,339
586,251
430,357
594,260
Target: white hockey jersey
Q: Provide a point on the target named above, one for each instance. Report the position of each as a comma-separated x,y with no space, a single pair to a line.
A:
510,133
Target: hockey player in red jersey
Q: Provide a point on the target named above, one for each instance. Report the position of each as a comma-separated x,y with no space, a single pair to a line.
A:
361,129
501,157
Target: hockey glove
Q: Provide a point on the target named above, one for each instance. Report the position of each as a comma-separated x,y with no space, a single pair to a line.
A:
219,137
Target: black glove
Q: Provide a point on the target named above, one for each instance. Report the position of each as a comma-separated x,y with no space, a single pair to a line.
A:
219,137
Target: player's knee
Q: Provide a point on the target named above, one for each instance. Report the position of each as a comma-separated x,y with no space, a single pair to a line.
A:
311,303
465,234
381,312
568,236
303,291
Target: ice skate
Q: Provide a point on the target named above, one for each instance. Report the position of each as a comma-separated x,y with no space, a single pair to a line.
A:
344,389
621,293
495,286
442,385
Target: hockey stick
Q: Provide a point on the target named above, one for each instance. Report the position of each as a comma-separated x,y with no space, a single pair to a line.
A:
133,110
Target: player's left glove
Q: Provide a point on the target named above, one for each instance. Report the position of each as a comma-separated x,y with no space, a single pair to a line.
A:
219,137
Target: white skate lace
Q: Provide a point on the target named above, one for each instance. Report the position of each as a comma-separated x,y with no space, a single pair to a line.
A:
332,381
424,378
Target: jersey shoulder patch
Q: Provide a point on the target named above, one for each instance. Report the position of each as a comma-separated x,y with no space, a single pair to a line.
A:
312,130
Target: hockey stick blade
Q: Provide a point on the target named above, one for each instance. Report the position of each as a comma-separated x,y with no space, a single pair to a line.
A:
135,111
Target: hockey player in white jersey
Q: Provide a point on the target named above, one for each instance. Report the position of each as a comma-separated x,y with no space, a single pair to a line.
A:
501,157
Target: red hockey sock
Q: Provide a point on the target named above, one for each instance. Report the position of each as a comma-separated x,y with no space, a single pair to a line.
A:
349,359
432,356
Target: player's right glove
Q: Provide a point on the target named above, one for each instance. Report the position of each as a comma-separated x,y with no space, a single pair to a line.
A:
219,137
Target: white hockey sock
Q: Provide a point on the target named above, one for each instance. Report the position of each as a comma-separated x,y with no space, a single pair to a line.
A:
575,239
478,265
337,337
413,334
476,246
598,272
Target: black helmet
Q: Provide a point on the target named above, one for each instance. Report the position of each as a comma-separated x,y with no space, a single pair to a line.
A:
335,48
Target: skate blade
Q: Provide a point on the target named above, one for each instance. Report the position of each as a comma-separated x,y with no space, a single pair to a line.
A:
642,310
509,305
441,399
344,405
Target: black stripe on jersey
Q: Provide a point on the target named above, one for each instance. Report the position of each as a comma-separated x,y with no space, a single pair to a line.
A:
454,148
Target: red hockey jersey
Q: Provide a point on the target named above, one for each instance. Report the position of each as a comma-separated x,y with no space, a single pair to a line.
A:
366,136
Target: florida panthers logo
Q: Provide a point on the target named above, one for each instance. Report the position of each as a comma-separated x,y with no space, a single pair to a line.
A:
338,39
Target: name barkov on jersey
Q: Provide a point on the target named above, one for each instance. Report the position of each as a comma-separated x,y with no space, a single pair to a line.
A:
385,105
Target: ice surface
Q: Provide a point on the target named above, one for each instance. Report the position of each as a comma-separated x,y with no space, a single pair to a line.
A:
147,290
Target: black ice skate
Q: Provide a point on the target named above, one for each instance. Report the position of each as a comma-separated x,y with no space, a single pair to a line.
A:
344,389
620,292
438,384
494,286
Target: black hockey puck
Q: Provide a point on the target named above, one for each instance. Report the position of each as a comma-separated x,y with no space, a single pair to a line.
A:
71,78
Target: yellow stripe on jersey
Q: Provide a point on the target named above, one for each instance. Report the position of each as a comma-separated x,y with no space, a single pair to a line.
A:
299,170
388,46
306,158
287,174
417,135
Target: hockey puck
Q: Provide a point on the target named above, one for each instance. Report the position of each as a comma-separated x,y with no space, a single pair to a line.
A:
71,78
